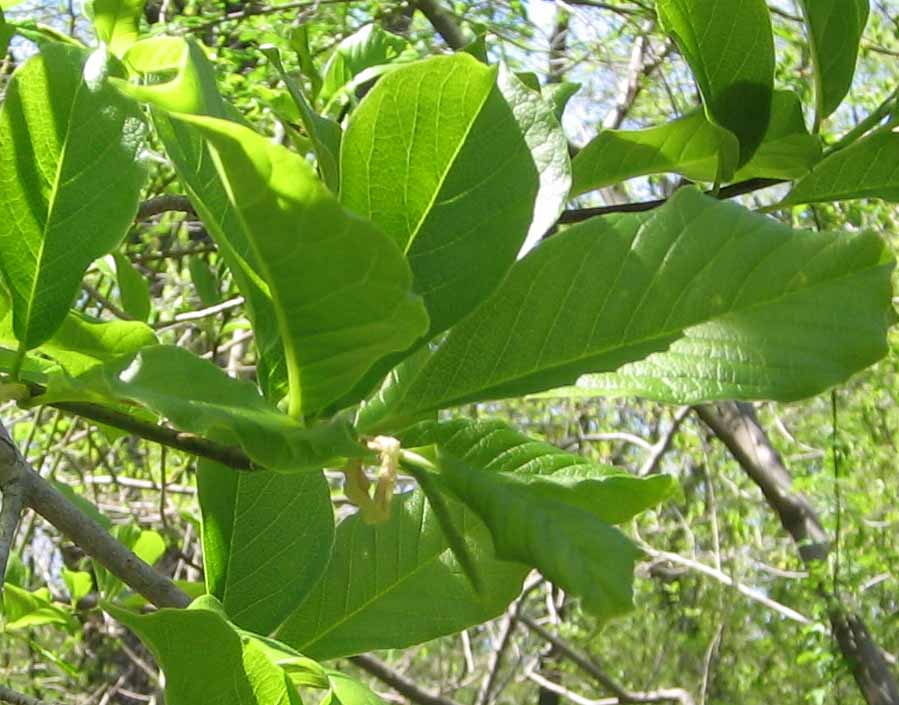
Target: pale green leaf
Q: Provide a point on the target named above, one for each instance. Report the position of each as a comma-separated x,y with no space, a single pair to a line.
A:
867,169
550,531
116,22
78,583
206,660
313,253
357,55
193,88
60,139
614,290
835,29
349,691
729,46
382,585
25,610
267,539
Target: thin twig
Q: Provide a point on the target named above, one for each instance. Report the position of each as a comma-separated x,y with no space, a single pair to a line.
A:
13,697
399,682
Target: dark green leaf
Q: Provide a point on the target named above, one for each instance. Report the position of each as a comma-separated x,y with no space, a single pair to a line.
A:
835,29
730,49
550,532
61,136
611,495
267,539
384,580
205,281
133,288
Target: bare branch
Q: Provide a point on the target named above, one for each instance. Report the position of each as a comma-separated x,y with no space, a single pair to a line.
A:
399,682
166,203
15,698
86,533
443,23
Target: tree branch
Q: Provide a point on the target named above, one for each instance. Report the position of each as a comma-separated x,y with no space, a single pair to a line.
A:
15,698
13,502
92,538
738,428
399,682
164,204
576,215
443,23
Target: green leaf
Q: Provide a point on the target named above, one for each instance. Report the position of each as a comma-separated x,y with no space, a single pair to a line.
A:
361,57
25,610
611,495
82,342
299,42
133,288
61,137
267,539
613,290
349,691
324,133
835,29
193,89
559,94
788,151
7,32
198,397
550,531
116,22
205,281
691,146
78,583
147,545
313,253
384,580
697,149
206,660
413,161
730,49
866,169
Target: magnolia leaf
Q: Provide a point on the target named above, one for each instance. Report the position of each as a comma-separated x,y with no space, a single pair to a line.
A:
866,169
612,495
60,139
193,88
835,30
206,660
116,22
134,288
550,531
384,580
413,161
267,540
311,252
613,290
324,133
730,49
198,397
